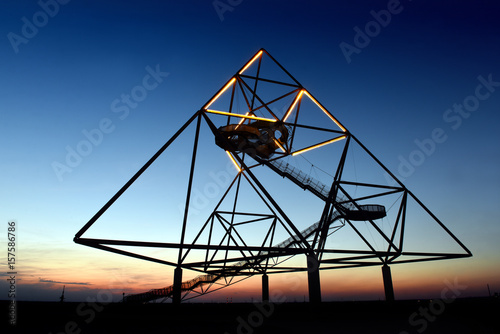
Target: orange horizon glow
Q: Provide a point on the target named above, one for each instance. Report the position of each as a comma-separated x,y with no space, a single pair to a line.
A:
411,281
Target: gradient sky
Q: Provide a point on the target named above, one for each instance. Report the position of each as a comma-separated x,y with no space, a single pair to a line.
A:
65,77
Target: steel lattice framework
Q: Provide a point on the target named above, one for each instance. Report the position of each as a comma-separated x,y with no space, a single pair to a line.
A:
255,135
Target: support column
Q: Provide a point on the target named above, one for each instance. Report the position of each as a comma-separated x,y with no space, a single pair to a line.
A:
176,293
389,290
265,288
313,279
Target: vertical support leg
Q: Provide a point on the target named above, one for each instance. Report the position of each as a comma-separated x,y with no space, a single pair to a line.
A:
389,290
176,293
265,288
313,279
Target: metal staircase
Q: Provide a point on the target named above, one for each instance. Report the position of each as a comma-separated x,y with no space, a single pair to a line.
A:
212,278
342,205
307,183
299,178
285,170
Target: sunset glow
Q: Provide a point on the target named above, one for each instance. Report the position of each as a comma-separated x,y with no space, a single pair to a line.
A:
112,114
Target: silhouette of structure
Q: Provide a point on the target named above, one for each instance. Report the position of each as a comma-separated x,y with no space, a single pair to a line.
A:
246,124
61,299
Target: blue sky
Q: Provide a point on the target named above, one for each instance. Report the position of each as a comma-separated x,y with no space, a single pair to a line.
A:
395,90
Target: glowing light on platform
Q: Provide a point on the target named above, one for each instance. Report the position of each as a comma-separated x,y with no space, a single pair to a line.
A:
242,120
234,161
279,145
297,98
220,93
238,115
325,111
251,61
318,145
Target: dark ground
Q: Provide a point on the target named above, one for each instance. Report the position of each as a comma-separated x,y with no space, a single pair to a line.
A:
472,315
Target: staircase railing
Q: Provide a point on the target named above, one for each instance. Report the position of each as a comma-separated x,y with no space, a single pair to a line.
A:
306,182
285,170
211,278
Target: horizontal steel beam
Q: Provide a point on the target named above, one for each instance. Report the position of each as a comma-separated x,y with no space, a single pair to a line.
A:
276,251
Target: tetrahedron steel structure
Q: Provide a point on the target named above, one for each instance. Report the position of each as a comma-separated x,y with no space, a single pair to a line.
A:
269,126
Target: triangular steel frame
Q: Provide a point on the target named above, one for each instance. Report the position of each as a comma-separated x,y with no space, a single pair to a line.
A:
265,258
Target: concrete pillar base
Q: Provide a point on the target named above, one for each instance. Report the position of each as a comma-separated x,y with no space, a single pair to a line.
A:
265,288
388,288
313,279
176,294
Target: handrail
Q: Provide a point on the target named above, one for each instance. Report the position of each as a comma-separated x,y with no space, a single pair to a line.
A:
210,278
283,169
308,182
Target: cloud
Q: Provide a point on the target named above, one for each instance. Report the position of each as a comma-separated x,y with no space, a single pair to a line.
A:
42,280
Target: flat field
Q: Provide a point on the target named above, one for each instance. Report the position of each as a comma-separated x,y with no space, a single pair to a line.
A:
470,315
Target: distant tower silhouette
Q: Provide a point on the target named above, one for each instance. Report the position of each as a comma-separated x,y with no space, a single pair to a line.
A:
61,299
